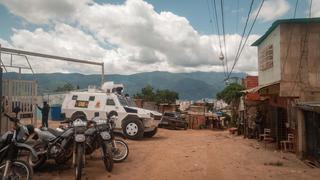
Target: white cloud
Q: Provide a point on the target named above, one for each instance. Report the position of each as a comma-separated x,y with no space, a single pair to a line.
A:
43,11
141,40
315,9
63,40
272,9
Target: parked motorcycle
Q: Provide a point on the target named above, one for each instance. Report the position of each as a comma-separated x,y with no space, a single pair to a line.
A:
98,136
79,127
53,144
120,149
12,142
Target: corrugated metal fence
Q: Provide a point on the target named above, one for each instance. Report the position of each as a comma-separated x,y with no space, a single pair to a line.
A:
19,93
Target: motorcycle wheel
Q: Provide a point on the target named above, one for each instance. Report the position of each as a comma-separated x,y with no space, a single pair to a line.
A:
36,164
107,156
19,170
63,158
121,150
79,161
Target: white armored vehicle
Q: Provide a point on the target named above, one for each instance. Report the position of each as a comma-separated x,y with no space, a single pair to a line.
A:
132,121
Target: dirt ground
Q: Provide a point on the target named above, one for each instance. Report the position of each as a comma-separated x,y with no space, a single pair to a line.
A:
192,154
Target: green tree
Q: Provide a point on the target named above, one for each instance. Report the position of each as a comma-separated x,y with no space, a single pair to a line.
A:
65,87
146,94
160,96
231,95
166,96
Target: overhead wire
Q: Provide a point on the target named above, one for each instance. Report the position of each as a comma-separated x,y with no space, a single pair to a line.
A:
310,9
214,8
211,17
244,30
242,36
290,37
224,34
303,48
237,16
253,23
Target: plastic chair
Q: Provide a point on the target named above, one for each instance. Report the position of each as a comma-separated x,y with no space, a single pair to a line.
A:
287,144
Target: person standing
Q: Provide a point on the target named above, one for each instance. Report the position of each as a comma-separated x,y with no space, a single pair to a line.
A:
258,122
45,113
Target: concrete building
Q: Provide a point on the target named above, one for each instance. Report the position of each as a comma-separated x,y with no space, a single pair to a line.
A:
248,106
289,74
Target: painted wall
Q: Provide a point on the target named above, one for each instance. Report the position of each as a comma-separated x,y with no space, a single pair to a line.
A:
300,58
273,74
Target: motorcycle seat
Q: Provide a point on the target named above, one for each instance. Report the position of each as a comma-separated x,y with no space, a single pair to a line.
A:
55,132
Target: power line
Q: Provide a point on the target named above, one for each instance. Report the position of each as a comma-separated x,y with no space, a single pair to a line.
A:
224,34
310,9
242,36
214,8
254,21
290,37
211,15
238,11
303,52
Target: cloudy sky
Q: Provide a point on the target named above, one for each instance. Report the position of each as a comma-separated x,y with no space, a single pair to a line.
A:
137,36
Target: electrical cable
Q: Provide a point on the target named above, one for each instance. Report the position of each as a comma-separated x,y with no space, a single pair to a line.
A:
211,16
242,36
224,34
310,9
214,8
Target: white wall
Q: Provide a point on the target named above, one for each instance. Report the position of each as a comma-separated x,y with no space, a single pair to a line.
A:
273,74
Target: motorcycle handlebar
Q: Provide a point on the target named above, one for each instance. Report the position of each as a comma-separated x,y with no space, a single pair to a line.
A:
65,122
11,118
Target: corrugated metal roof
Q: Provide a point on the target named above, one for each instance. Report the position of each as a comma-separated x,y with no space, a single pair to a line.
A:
256,89
309,106
282,21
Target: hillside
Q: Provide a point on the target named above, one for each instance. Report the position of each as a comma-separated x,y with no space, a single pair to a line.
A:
191,86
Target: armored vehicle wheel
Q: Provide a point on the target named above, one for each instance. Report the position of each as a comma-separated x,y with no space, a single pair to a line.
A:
133,129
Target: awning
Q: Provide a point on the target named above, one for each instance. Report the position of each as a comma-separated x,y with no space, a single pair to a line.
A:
309,106
256,89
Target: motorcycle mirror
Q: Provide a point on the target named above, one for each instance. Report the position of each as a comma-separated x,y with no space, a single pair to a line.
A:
16,110
111,114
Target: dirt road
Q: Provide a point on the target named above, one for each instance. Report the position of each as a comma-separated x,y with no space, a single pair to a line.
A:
192,154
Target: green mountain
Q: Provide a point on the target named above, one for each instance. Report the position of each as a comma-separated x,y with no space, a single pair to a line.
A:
190,86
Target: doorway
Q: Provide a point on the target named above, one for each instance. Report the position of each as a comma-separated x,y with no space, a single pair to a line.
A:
281,125
312,120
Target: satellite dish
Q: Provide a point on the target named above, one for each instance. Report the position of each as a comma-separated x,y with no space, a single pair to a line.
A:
221,57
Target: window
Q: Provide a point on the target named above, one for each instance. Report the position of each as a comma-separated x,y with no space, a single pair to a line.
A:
123,101
169,114
266,58
74,97
91,98
110,102
81,104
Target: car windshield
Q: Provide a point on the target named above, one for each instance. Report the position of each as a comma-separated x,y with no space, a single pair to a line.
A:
126,101
123,101
131,102
172,114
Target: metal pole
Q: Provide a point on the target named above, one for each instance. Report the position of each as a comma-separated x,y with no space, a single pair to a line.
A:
102,74
15,51
21,52
19,73
1,97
